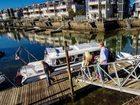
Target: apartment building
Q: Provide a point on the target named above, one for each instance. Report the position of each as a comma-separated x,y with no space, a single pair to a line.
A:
53,8
98,8
123,8
137,8
107,9
7,14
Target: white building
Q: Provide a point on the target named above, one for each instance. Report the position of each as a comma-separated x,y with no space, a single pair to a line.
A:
137,8
7,14
51,9
32,11
96,7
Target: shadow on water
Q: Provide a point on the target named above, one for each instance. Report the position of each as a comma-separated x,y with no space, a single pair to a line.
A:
5,85
92,95
80,94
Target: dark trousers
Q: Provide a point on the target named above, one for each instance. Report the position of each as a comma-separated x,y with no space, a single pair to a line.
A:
102,74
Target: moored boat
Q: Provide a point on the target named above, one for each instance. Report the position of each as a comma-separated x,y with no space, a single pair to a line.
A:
56,58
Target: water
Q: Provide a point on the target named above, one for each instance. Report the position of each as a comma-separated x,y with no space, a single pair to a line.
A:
36,43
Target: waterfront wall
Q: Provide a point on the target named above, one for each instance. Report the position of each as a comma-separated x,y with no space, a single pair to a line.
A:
73,25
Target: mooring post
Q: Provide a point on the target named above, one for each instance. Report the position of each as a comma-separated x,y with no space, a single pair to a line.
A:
69,70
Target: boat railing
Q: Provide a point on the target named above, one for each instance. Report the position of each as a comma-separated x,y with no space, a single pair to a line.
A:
6,78
18,55
116,73
65,67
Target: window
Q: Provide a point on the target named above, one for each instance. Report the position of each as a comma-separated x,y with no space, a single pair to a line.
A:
72,58
60,61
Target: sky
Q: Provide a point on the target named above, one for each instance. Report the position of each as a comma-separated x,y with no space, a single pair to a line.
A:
20,3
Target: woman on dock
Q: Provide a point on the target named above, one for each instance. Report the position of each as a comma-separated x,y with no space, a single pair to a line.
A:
87,59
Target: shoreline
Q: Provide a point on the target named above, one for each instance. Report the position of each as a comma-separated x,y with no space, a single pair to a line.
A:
72,25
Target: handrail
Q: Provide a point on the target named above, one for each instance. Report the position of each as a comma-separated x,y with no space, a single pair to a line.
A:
116,78
18,52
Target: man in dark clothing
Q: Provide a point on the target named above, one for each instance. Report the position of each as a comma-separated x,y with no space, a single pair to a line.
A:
48,72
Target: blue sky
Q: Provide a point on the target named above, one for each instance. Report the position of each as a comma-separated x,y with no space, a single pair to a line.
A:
20,3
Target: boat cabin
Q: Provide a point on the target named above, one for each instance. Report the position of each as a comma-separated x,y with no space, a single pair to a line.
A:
56,56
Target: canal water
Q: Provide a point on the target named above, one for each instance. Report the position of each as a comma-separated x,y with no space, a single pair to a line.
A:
36,44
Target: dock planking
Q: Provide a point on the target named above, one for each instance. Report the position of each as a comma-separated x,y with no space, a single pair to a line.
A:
133,101
37,92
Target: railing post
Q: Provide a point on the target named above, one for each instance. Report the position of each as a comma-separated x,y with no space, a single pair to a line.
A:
116,74
69,71
99,71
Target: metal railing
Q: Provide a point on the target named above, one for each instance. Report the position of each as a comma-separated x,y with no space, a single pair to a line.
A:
129,72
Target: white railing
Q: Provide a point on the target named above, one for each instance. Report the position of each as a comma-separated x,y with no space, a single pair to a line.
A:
130,74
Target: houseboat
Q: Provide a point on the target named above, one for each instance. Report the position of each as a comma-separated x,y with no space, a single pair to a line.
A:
56,58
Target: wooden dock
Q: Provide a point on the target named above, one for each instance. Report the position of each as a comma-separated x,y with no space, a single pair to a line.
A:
133,101
38,92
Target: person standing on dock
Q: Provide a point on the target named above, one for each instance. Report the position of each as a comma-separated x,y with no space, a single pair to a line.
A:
103,60
48,70
87,58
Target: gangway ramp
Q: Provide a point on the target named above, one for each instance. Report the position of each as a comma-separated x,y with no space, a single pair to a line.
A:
122,76
132,86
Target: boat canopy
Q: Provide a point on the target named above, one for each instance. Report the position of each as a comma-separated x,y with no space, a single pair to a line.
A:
58,52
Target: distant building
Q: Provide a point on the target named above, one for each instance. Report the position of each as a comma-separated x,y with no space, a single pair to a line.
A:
7,14
53,8
123,8
137,8
18,13
99,8
107,9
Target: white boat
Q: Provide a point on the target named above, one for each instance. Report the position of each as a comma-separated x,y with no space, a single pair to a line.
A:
55,57
32,72
124,55
2,79
130,57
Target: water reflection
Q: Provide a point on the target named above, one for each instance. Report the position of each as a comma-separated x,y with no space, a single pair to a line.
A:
36,43
121,41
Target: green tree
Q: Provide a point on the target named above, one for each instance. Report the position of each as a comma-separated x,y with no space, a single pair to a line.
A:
80,12
71,13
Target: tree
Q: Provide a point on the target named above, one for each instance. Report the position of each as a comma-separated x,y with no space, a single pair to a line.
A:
71,13
80,12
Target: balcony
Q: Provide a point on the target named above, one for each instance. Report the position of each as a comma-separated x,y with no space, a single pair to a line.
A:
36,9
51,8
51,14
44,9
61,7
95,2
35,15
62,13
96,11
25,11
25,16
31,10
